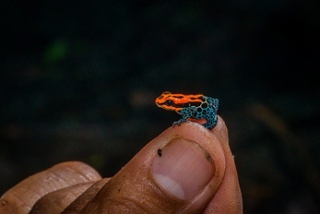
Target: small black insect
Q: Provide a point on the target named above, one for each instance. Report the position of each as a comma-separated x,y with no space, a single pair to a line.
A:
160,152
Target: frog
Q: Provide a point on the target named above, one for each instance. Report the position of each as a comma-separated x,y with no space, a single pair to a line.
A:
190,106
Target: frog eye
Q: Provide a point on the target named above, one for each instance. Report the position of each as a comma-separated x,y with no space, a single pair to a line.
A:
169,102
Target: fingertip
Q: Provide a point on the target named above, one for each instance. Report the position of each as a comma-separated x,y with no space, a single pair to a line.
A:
156,180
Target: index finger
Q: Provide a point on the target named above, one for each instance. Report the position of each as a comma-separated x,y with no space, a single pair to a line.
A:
22,197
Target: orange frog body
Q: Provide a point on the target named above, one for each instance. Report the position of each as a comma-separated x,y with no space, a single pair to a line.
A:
195,106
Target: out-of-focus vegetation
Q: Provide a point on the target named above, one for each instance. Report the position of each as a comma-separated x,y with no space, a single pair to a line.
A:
78,80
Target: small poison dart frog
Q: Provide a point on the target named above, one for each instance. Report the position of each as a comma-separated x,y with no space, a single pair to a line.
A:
195,106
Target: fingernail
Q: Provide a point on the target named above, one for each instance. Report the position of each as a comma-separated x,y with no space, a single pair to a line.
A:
182,168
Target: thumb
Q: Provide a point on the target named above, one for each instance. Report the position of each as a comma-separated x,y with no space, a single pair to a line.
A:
178,171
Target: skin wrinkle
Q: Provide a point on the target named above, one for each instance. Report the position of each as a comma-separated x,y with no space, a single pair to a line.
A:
237,194
239,202
67,197
133,203
55,174
59,180
58,202
78,173
22,201
82,188
33,197
35,193
49,185
69,194
87,176
221,205
92,174
80,202
69,177
74,193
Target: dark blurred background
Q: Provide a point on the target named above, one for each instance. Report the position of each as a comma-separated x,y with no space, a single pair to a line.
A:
78,82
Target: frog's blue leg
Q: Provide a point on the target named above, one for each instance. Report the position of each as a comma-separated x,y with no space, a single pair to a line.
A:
211,121
186,114
214,103
210,113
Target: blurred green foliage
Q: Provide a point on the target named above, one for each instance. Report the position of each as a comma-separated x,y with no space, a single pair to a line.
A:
56,52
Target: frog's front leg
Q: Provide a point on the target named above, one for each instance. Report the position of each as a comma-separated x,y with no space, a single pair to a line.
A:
186,114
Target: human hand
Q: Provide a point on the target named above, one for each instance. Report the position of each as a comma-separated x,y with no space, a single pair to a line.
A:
186,169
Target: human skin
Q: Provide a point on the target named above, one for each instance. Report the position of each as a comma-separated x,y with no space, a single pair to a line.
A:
186,169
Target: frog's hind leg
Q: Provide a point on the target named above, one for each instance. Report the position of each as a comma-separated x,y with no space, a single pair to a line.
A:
211,121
